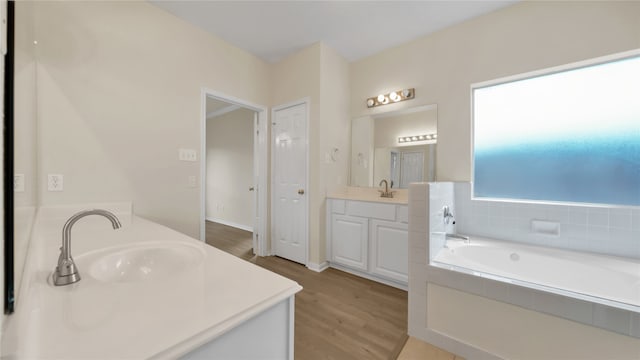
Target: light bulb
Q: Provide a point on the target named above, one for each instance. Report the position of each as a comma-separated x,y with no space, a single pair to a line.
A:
394,96
414,138
421,137
435,136
370,102
406,93
381,98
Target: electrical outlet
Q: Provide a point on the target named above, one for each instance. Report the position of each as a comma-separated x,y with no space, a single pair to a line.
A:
55,182
192,181
187,155
18,183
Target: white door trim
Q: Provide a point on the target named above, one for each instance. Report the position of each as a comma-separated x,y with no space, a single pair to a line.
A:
262,163
307,102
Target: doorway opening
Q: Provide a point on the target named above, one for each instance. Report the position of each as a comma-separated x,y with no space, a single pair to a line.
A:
233,174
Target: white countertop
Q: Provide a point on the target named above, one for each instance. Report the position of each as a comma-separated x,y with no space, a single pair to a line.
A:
160,318
400,196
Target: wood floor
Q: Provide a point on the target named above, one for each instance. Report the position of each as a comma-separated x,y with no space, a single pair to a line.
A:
338,315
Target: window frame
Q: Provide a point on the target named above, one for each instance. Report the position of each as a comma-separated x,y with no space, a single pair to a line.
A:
530,75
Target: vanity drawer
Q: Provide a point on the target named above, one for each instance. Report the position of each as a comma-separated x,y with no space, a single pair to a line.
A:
403,214
338,206
372,210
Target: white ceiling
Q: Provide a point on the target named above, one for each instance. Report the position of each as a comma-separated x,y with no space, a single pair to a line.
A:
356,29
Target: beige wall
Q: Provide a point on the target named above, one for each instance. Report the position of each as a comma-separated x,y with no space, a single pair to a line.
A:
520,38
335,133
230,168
321,75
119,92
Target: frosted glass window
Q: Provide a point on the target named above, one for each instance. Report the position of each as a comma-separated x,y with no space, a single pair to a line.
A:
570,136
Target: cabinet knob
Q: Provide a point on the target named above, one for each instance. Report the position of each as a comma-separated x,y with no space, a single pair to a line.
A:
301,191
251,188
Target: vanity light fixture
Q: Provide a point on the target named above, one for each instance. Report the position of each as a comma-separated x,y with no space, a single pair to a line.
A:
392,97
413,138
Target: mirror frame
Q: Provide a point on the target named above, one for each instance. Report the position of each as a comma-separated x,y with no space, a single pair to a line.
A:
8,141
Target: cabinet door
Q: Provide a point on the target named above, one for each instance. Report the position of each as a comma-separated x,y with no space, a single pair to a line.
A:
390,246
349,237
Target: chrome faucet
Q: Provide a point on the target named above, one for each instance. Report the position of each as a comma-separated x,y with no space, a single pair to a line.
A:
66,272
386,193
447,215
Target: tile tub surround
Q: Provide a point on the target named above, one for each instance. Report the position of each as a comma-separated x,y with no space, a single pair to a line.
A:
421,273
145,319
609,230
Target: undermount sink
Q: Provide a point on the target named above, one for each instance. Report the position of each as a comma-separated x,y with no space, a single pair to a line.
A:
147,262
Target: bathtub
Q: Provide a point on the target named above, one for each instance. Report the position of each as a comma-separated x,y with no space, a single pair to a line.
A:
608,280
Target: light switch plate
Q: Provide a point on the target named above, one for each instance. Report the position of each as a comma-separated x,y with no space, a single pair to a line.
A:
187,155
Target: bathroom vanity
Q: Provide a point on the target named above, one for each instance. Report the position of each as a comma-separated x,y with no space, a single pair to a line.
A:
146,291
367,235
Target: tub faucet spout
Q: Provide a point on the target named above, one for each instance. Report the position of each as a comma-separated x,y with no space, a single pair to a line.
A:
457,237
66,272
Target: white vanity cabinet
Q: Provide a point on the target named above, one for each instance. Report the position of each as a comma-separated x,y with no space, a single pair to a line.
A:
369,239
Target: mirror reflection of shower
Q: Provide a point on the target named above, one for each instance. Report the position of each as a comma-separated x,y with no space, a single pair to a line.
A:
416,164
378,153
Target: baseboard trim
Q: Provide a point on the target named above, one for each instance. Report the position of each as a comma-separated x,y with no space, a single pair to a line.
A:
230,223
318,267
370,277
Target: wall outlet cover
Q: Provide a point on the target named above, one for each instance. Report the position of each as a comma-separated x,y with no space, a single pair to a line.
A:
55,182
18,183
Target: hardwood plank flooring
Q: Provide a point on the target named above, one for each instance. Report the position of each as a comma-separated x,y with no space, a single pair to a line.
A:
337,315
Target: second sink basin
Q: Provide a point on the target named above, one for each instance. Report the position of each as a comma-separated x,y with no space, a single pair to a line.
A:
146,262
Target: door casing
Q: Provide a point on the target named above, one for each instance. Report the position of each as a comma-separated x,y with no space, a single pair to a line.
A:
261,148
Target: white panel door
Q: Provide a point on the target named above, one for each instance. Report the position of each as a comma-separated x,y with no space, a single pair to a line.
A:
349,239
412,168
289,168
390,253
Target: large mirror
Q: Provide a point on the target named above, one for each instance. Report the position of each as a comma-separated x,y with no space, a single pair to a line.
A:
21,103
398,146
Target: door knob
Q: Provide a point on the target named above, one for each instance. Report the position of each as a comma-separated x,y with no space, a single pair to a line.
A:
301,191
251,188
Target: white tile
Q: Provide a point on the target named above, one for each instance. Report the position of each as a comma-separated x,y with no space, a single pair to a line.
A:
574,231
597,233
564,307
531,211
612,319
520,296
620,218
635,220
496,209
559,214
635,325
598,217
511,210
578,215
496,290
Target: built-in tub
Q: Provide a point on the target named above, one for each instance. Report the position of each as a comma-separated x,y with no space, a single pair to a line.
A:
608,280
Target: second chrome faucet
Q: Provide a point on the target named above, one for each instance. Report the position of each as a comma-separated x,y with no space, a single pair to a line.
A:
386,193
